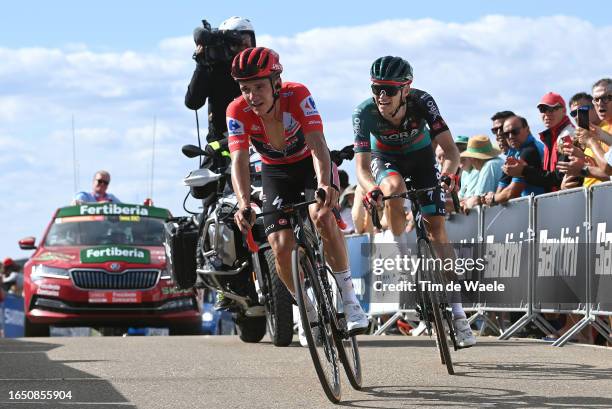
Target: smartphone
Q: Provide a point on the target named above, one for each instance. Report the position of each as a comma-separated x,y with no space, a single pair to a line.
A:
583,117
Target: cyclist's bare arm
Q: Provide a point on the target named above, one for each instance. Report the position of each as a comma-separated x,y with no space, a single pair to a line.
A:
451,153
322,164
364,173
241,182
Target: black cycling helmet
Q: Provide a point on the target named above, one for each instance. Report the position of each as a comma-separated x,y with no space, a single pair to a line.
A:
391,69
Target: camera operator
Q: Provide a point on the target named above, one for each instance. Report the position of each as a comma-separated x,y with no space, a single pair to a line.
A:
215,49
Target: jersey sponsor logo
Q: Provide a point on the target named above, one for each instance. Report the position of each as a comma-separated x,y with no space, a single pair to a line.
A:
308,106
289,123
361,144
234,127
400,136
433,109
235,142
356,125
278,202
314,122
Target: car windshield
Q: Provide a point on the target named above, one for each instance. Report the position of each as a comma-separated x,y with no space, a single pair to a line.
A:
95,230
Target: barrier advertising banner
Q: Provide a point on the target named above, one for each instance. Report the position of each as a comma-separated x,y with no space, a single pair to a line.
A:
561,250
506,250
601,249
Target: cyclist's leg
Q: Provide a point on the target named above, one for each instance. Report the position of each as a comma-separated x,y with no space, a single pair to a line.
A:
389,177
280,187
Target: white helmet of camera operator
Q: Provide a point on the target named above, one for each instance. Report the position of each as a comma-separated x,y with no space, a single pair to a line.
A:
237,23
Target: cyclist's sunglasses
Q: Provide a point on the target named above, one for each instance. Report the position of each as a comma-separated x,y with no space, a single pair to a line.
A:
390,90
102,181
574,112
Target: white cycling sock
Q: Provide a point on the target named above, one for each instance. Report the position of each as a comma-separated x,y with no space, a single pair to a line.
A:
345,285
458,311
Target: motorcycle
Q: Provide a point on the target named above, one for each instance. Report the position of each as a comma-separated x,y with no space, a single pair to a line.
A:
219,258
208,250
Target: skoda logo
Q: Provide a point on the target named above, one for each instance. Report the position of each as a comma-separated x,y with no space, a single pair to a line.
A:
115,266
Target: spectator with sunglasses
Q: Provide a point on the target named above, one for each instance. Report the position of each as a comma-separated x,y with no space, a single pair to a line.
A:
558,129
101,181
497,129
523,150
597,138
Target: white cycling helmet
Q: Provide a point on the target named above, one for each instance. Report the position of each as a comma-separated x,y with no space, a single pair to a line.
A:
238,24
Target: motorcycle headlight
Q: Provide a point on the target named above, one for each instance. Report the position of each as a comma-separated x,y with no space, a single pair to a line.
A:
42,271
207,317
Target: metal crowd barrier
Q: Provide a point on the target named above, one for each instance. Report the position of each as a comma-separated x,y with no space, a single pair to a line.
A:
553,252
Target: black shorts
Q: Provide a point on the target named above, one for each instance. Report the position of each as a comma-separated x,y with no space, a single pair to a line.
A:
285,184
420,167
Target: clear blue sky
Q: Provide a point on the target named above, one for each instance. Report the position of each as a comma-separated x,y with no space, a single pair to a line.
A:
138,24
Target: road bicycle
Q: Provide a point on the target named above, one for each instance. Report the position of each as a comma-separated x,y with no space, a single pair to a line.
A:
325,329
433,307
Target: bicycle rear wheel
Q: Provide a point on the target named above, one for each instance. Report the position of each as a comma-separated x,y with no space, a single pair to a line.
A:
435,306
319,333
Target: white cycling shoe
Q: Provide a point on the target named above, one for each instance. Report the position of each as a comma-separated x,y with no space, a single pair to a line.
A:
312,317
463,333
357,321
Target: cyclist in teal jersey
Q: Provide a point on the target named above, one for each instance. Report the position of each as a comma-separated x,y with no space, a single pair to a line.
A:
396,133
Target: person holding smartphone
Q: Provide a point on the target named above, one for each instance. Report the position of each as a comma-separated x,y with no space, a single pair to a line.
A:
558,127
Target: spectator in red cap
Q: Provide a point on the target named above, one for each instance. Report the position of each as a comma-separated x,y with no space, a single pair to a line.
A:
10,272
558,127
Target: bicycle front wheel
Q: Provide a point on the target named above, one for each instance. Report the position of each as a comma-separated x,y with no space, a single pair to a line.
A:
318,328
434,305
349,356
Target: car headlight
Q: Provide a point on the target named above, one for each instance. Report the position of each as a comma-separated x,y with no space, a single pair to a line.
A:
42,271
207,317
165,274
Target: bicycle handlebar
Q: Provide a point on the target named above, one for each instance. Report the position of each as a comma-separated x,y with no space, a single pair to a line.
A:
291,208
412,194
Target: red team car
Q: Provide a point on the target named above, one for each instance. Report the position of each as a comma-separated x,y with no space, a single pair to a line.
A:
104,265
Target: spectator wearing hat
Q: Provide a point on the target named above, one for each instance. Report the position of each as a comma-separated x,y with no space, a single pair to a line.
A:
558,127
99,192
486,161
468,174
11,281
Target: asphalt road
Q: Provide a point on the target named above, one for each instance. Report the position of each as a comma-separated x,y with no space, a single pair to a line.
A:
223,372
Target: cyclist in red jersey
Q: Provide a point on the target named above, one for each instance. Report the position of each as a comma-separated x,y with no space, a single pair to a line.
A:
282,123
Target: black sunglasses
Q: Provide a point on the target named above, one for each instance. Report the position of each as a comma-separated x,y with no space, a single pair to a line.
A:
390,90
546,108
102,181
513,132
496,130
574,112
